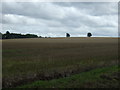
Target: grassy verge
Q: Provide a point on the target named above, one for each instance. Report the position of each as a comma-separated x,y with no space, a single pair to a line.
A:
101,77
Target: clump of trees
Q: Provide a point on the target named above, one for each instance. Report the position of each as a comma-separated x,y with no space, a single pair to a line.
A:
9,35
89,34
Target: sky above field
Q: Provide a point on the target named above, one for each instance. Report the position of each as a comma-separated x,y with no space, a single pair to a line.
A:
54,19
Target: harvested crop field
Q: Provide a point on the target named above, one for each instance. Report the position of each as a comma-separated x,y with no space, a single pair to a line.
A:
29,60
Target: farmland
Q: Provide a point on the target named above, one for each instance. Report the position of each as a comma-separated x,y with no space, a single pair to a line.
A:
25,61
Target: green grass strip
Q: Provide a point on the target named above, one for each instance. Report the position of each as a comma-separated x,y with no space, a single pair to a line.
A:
74,81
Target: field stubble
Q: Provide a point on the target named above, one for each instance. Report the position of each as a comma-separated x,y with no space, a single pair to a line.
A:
26,60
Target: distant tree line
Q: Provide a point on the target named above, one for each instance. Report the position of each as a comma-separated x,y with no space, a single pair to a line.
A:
9,35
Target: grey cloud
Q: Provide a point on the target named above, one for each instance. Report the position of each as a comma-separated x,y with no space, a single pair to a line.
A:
35,10
55,19
93,8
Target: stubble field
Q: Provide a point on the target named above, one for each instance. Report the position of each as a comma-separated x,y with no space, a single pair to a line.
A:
25,61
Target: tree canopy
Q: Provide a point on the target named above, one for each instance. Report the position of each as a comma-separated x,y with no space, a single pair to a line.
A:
9,35
67,35
89,34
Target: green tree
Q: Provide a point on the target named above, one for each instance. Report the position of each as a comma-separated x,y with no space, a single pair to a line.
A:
7,35
67,35
89,34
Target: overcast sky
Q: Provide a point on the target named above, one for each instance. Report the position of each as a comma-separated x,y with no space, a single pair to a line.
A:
55,19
